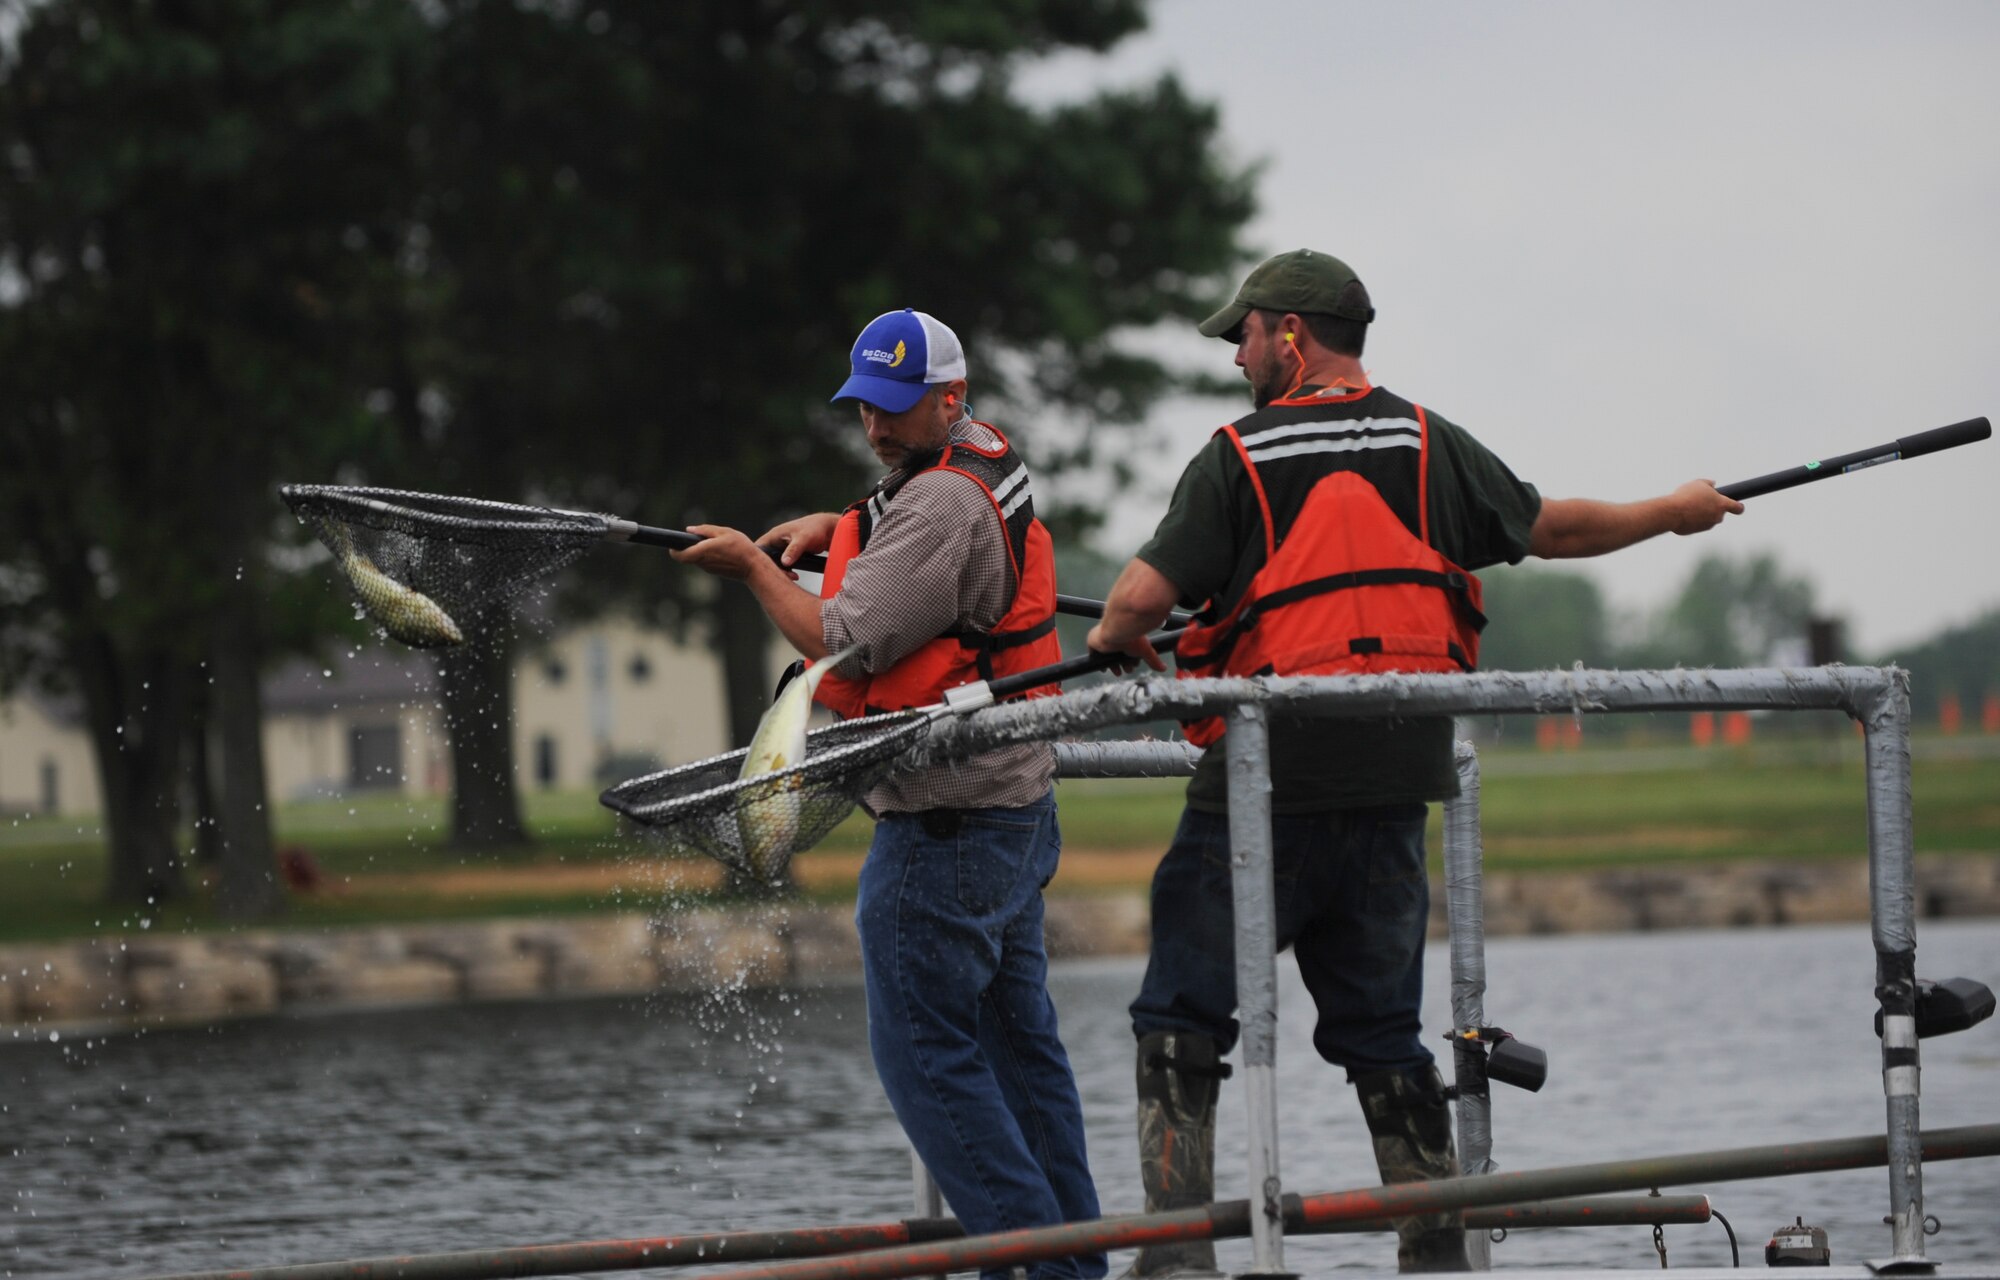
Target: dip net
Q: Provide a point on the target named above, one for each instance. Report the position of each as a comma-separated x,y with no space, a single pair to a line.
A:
756,824
461,557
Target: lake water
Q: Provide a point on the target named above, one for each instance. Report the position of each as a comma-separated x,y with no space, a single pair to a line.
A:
317,1138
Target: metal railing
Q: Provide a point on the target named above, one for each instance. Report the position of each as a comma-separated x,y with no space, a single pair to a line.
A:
1876,697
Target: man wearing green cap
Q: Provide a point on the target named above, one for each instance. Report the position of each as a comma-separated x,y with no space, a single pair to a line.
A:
1330,531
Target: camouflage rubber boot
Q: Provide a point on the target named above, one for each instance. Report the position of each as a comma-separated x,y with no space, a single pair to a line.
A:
1179,1079
1409,1120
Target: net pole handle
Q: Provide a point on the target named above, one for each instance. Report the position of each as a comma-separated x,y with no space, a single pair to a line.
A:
1069,668
1971,431
681,540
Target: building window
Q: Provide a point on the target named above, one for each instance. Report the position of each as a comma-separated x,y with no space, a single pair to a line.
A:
51,793
545,761
640,669
374,756
555,670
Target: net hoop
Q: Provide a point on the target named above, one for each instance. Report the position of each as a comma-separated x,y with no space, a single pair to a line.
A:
437,514
671,795
434,570
757,824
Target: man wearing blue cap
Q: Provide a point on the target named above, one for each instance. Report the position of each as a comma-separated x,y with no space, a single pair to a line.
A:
943,576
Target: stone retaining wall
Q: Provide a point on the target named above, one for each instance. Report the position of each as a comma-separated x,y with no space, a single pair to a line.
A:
142,980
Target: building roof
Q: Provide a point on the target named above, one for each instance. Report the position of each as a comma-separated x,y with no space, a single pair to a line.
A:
62,708
350,678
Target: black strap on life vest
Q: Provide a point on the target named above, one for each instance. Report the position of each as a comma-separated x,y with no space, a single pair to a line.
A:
1360,645
1456,585
988,643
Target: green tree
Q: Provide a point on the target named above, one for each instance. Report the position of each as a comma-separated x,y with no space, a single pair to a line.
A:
649,233
185,193
609,255
1541,618
1961,661
1730,613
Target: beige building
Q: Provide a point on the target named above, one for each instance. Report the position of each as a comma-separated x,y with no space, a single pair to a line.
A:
46,764
592,705
613,691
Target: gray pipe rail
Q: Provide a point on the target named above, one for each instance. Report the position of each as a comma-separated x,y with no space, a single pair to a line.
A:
1878,697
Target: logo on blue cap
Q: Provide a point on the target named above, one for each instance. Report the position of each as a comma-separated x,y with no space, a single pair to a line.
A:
898,357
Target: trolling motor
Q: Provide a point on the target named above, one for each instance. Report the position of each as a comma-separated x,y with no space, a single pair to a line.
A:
1944,1007
1798,1246
1494,1054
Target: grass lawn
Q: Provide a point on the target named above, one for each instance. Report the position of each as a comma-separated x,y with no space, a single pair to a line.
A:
383,858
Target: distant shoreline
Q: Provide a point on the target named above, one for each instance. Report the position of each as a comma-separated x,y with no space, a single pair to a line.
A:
127,981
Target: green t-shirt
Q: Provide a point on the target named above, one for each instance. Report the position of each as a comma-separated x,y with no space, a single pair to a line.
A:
1210,544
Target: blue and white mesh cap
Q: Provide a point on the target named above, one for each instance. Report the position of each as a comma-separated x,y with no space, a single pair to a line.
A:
899,356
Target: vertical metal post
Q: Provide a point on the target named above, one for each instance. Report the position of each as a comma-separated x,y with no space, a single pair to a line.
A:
925,1195
1465,908
1257,974
924,1192
1892,921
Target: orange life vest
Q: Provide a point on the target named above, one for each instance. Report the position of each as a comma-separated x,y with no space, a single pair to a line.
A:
1347,587
1024,638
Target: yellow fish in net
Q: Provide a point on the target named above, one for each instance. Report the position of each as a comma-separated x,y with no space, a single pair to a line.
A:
768,817
406,614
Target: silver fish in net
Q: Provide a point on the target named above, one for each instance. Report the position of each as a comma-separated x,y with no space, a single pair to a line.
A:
768,818
757,823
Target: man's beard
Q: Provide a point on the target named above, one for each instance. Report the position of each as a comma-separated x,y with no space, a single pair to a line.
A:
914,458
1268,382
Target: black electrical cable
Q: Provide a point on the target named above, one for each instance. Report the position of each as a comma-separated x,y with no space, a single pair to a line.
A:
1735,1259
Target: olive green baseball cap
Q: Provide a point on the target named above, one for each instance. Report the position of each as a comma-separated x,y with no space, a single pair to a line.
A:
1304,281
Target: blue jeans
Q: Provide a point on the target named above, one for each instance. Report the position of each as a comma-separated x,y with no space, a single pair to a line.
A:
1353,903
960,1021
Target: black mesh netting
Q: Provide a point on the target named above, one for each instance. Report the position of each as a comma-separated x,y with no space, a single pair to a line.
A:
420,562
757,824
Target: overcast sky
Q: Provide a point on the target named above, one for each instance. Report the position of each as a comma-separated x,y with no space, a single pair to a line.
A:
1630,244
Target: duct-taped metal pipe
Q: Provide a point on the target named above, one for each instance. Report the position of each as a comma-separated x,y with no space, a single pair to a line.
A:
1465,911
1126,759
1256,915
1156,697
1892,915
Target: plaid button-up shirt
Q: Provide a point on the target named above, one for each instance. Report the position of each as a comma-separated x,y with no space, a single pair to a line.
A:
936,559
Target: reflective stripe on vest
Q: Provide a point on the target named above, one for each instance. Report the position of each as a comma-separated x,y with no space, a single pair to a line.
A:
1024,638
1347,587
